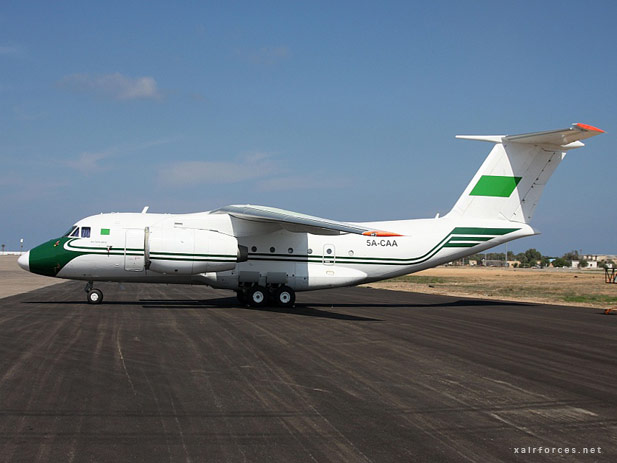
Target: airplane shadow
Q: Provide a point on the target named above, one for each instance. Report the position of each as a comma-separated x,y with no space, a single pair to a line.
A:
306,310
458,303
301,309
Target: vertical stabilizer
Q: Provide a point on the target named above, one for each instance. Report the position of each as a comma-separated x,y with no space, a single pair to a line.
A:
510,182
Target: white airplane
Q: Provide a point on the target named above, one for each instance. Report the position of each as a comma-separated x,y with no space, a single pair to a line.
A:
267,254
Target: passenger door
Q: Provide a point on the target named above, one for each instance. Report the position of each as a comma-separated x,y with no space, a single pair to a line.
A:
134,250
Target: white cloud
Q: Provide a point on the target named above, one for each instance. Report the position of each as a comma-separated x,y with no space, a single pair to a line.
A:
188,173
90,162
260,169
21,189
27,112
116,86
9,50
301,183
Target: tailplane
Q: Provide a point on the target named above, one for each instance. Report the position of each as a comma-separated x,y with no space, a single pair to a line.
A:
510,182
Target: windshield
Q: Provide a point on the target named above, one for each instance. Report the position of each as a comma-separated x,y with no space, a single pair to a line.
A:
70,230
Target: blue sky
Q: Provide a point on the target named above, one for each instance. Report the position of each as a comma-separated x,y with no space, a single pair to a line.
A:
345,110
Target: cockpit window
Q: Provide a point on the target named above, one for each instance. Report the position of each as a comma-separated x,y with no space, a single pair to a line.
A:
85,232
75,232
71,230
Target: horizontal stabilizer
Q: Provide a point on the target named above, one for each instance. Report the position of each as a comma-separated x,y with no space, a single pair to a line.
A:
564,138
557,137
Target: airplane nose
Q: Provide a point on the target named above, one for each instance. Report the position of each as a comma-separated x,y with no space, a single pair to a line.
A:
24,261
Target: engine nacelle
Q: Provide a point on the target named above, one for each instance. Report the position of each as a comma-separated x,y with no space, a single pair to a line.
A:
187,251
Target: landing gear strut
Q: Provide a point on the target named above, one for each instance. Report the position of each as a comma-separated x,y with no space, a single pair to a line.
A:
94,296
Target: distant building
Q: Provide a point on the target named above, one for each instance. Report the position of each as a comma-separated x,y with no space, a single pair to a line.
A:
494,263
599,257
591,264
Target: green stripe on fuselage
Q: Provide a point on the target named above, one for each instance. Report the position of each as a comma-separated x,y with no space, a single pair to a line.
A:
471,238
482,231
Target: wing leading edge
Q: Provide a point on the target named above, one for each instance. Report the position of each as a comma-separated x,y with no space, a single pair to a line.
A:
296,222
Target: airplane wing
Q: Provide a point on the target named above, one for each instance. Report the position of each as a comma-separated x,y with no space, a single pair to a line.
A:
296,222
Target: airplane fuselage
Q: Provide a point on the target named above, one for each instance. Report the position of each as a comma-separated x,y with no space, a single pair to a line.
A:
120,247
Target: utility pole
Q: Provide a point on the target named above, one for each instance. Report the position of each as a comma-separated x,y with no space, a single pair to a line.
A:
506,262
21,246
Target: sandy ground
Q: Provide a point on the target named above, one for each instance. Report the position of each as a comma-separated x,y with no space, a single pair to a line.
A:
582,288
14,280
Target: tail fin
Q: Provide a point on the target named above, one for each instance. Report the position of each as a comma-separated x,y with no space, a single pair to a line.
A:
510,182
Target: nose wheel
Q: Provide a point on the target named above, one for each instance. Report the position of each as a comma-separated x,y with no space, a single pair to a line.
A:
94,296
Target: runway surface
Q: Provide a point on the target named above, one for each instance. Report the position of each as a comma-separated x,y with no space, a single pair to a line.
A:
179,373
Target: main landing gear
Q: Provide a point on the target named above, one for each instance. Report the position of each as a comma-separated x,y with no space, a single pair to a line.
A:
259,296
94,296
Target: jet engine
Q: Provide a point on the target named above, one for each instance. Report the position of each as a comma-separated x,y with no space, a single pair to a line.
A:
187,251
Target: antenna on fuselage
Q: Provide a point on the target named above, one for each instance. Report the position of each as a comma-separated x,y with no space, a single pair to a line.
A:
145,209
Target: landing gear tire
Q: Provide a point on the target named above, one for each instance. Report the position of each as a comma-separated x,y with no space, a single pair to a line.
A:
285,296
241,296
95,296
257,296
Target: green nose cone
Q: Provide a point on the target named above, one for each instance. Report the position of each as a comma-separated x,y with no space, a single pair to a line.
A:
49,258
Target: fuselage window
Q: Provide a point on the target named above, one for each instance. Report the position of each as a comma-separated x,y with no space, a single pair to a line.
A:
75,232
85,232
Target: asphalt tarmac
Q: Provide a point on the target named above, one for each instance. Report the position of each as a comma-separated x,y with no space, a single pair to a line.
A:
180,373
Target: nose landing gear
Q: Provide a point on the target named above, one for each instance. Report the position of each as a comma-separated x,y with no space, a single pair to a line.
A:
94,296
